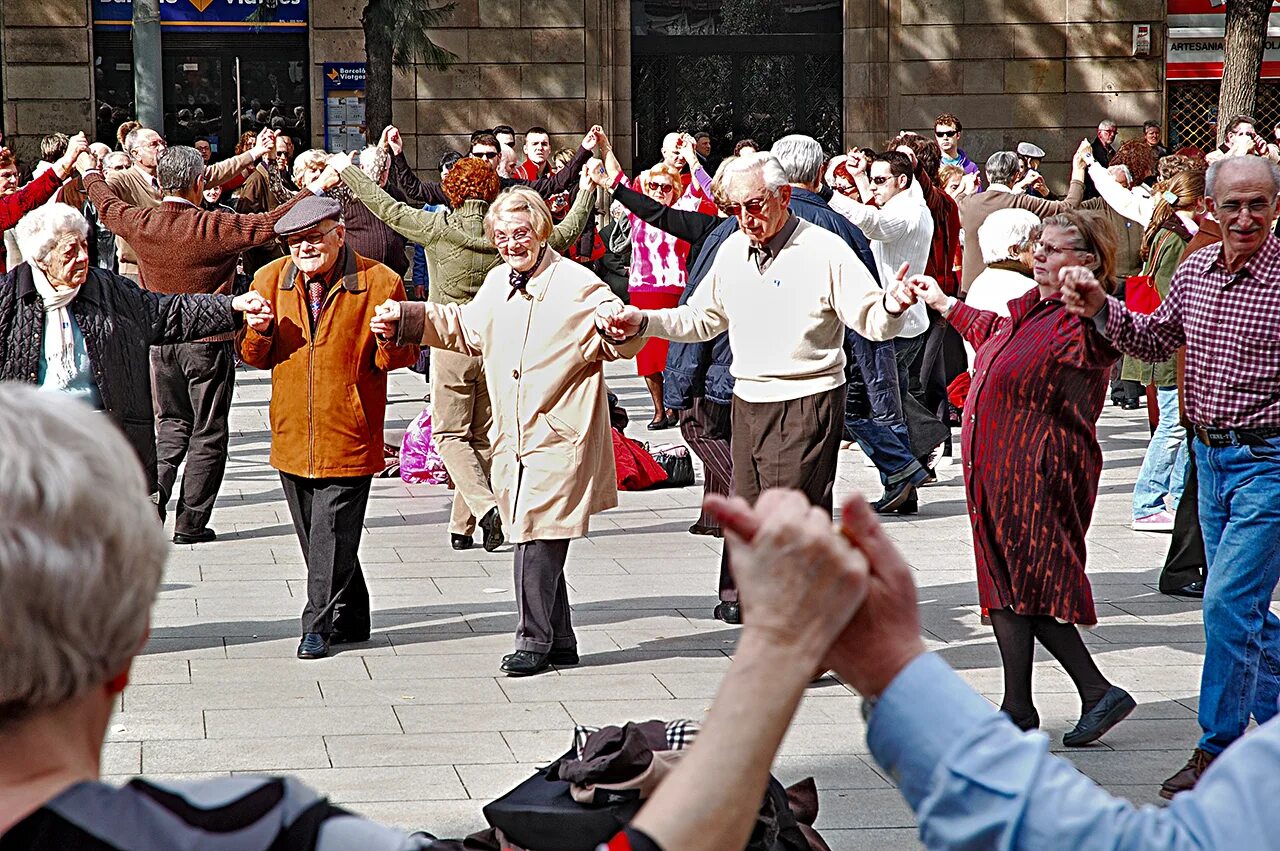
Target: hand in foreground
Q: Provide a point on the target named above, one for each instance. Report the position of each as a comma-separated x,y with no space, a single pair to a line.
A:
884,634
800,582
929,291
339,162
598,174
265,144
391,140
1082,294
386,319
77,147
256,309
585,180
618,321
899,296
1083,156
593,137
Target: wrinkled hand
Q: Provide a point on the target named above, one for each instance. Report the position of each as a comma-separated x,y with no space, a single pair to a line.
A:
1083,156
883,636
800,583
85,163
928,290
1082,293
685,147
265,144
618,321
391,140
899,296
77,146
585,180
256,309
593,137
386,319
596,171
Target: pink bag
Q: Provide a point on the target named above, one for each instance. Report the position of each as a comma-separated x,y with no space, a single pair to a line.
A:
420,461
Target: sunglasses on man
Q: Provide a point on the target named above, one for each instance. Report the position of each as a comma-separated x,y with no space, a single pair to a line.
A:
485,155
945,134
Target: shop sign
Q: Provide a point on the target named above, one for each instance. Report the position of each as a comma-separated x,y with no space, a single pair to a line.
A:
1194,46
208,15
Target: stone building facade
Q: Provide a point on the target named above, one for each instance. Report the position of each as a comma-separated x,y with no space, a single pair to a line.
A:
1009,68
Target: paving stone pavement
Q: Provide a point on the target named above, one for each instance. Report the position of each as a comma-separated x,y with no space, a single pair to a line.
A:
416,727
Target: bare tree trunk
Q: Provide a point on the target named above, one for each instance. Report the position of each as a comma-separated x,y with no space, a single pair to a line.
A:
1242,59
379,34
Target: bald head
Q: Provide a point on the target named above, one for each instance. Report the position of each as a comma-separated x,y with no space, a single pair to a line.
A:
671,150
1230,171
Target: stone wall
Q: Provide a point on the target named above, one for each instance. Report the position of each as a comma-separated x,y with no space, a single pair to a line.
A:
1043,71
48,76
561,64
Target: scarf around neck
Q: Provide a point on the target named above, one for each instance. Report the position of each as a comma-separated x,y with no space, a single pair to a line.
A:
520,280
59,336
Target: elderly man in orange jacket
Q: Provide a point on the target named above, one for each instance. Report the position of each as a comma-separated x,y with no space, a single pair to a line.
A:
328,400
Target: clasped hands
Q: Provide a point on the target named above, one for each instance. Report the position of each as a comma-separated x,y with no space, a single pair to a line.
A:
617,321
256,309
907,290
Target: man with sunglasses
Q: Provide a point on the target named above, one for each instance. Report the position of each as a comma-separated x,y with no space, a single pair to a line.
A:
947,130
328,403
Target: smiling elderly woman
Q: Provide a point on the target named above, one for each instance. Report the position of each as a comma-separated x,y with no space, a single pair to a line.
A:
533,321
87,333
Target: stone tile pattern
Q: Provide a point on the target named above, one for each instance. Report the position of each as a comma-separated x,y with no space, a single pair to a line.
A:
417,729
47,74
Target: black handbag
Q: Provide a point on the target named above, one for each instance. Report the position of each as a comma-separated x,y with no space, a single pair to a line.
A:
678,463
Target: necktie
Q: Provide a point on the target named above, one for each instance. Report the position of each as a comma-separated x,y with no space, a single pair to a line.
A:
315,295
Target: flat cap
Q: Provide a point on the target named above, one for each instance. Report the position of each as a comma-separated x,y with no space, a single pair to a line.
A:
308,213
1026,149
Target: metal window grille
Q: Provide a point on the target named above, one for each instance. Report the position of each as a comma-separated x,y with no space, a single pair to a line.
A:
1193,113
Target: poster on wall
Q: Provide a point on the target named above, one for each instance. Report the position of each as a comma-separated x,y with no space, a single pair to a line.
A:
344,123
1194,48
207,15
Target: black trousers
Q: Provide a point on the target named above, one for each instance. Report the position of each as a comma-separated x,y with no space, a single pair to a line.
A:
328,515
1186,562
191,389
542,598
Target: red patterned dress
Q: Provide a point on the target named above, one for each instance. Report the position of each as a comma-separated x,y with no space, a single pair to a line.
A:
1031,454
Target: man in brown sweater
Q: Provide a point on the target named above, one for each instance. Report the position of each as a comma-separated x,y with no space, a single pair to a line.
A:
138,185
184,249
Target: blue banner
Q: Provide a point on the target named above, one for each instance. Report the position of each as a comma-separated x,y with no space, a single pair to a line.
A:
208,15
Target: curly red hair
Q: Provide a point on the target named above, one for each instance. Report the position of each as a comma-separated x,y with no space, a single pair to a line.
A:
471,179
7,159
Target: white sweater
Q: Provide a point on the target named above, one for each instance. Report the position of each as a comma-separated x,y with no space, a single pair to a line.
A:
786,326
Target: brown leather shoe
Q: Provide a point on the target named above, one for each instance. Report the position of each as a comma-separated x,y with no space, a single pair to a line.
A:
1189,776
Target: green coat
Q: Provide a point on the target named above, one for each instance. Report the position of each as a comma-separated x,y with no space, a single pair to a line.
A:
1161,263
458,254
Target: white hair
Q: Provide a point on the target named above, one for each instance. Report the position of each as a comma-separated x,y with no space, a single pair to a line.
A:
375,162
81,551
763,163
307,159
1002,231
801,158
1106,124
39,230
116,157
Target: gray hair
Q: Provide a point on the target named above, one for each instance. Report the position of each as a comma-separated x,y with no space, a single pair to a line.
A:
375,162
179,169
762,162
801,158
1004,230
1003,167
1216,167
116,156
1106,124
38,231
131,140
81,551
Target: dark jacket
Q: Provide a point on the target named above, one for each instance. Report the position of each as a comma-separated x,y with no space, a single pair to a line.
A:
700,369
120,323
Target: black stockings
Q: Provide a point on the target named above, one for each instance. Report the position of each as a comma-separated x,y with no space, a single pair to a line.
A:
1015,636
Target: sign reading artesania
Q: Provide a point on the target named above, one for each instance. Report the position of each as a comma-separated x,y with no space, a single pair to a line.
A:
208,15
1196,30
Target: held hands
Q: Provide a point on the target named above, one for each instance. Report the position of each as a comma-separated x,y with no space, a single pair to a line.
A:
1082,294
391,140
1083,157
265,144
76,146
256,309
386,319
926,289
596,171
899,295
595,138
339,162
618,321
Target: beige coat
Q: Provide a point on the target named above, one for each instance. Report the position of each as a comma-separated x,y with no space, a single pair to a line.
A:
553,463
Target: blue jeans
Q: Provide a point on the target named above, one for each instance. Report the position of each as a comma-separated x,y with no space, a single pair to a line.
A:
882,436
1240,518
1164,470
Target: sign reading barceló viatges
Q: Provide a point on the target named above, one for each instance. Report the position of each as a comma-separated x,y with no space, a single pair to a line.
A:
1196,28
208,15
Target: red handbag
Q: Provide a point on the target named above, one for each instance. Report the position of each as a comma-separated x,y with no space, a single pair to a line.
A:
1140,294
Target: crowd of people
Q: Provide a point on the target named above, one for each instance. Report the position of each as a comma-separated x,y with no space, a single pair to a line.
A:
779,304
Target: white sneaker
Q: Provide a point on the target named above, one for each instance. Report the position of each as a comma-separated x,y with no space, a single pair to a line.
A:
1160,522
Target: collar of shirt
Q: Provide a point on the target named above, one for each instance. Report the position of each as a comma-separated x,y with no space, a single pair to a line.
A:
148,179
1267,257
763,255
174,199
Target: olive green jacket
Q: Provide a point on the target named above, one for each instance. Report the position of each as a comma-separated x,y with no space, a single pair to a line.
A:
458,253
1161,263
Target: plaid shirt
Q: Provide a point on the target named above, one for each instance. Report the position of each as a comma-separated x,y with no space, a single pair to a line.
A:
1230,325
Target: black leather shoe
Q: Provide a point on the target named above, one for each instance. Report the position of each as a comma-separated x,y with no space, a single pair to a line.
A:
1031,722
709,531
460,542
491,523
728,612
894,497
660,425
1114,707
313,646
912,504
525,663
1193,590
1129,405
564,657
204,536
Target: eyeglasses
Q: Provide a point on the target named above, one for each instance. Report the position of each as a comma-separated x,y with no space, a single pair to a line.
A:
485,155
514,238
881,181
946,134
1234,208
661,187
314,237
755,207
1049,249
